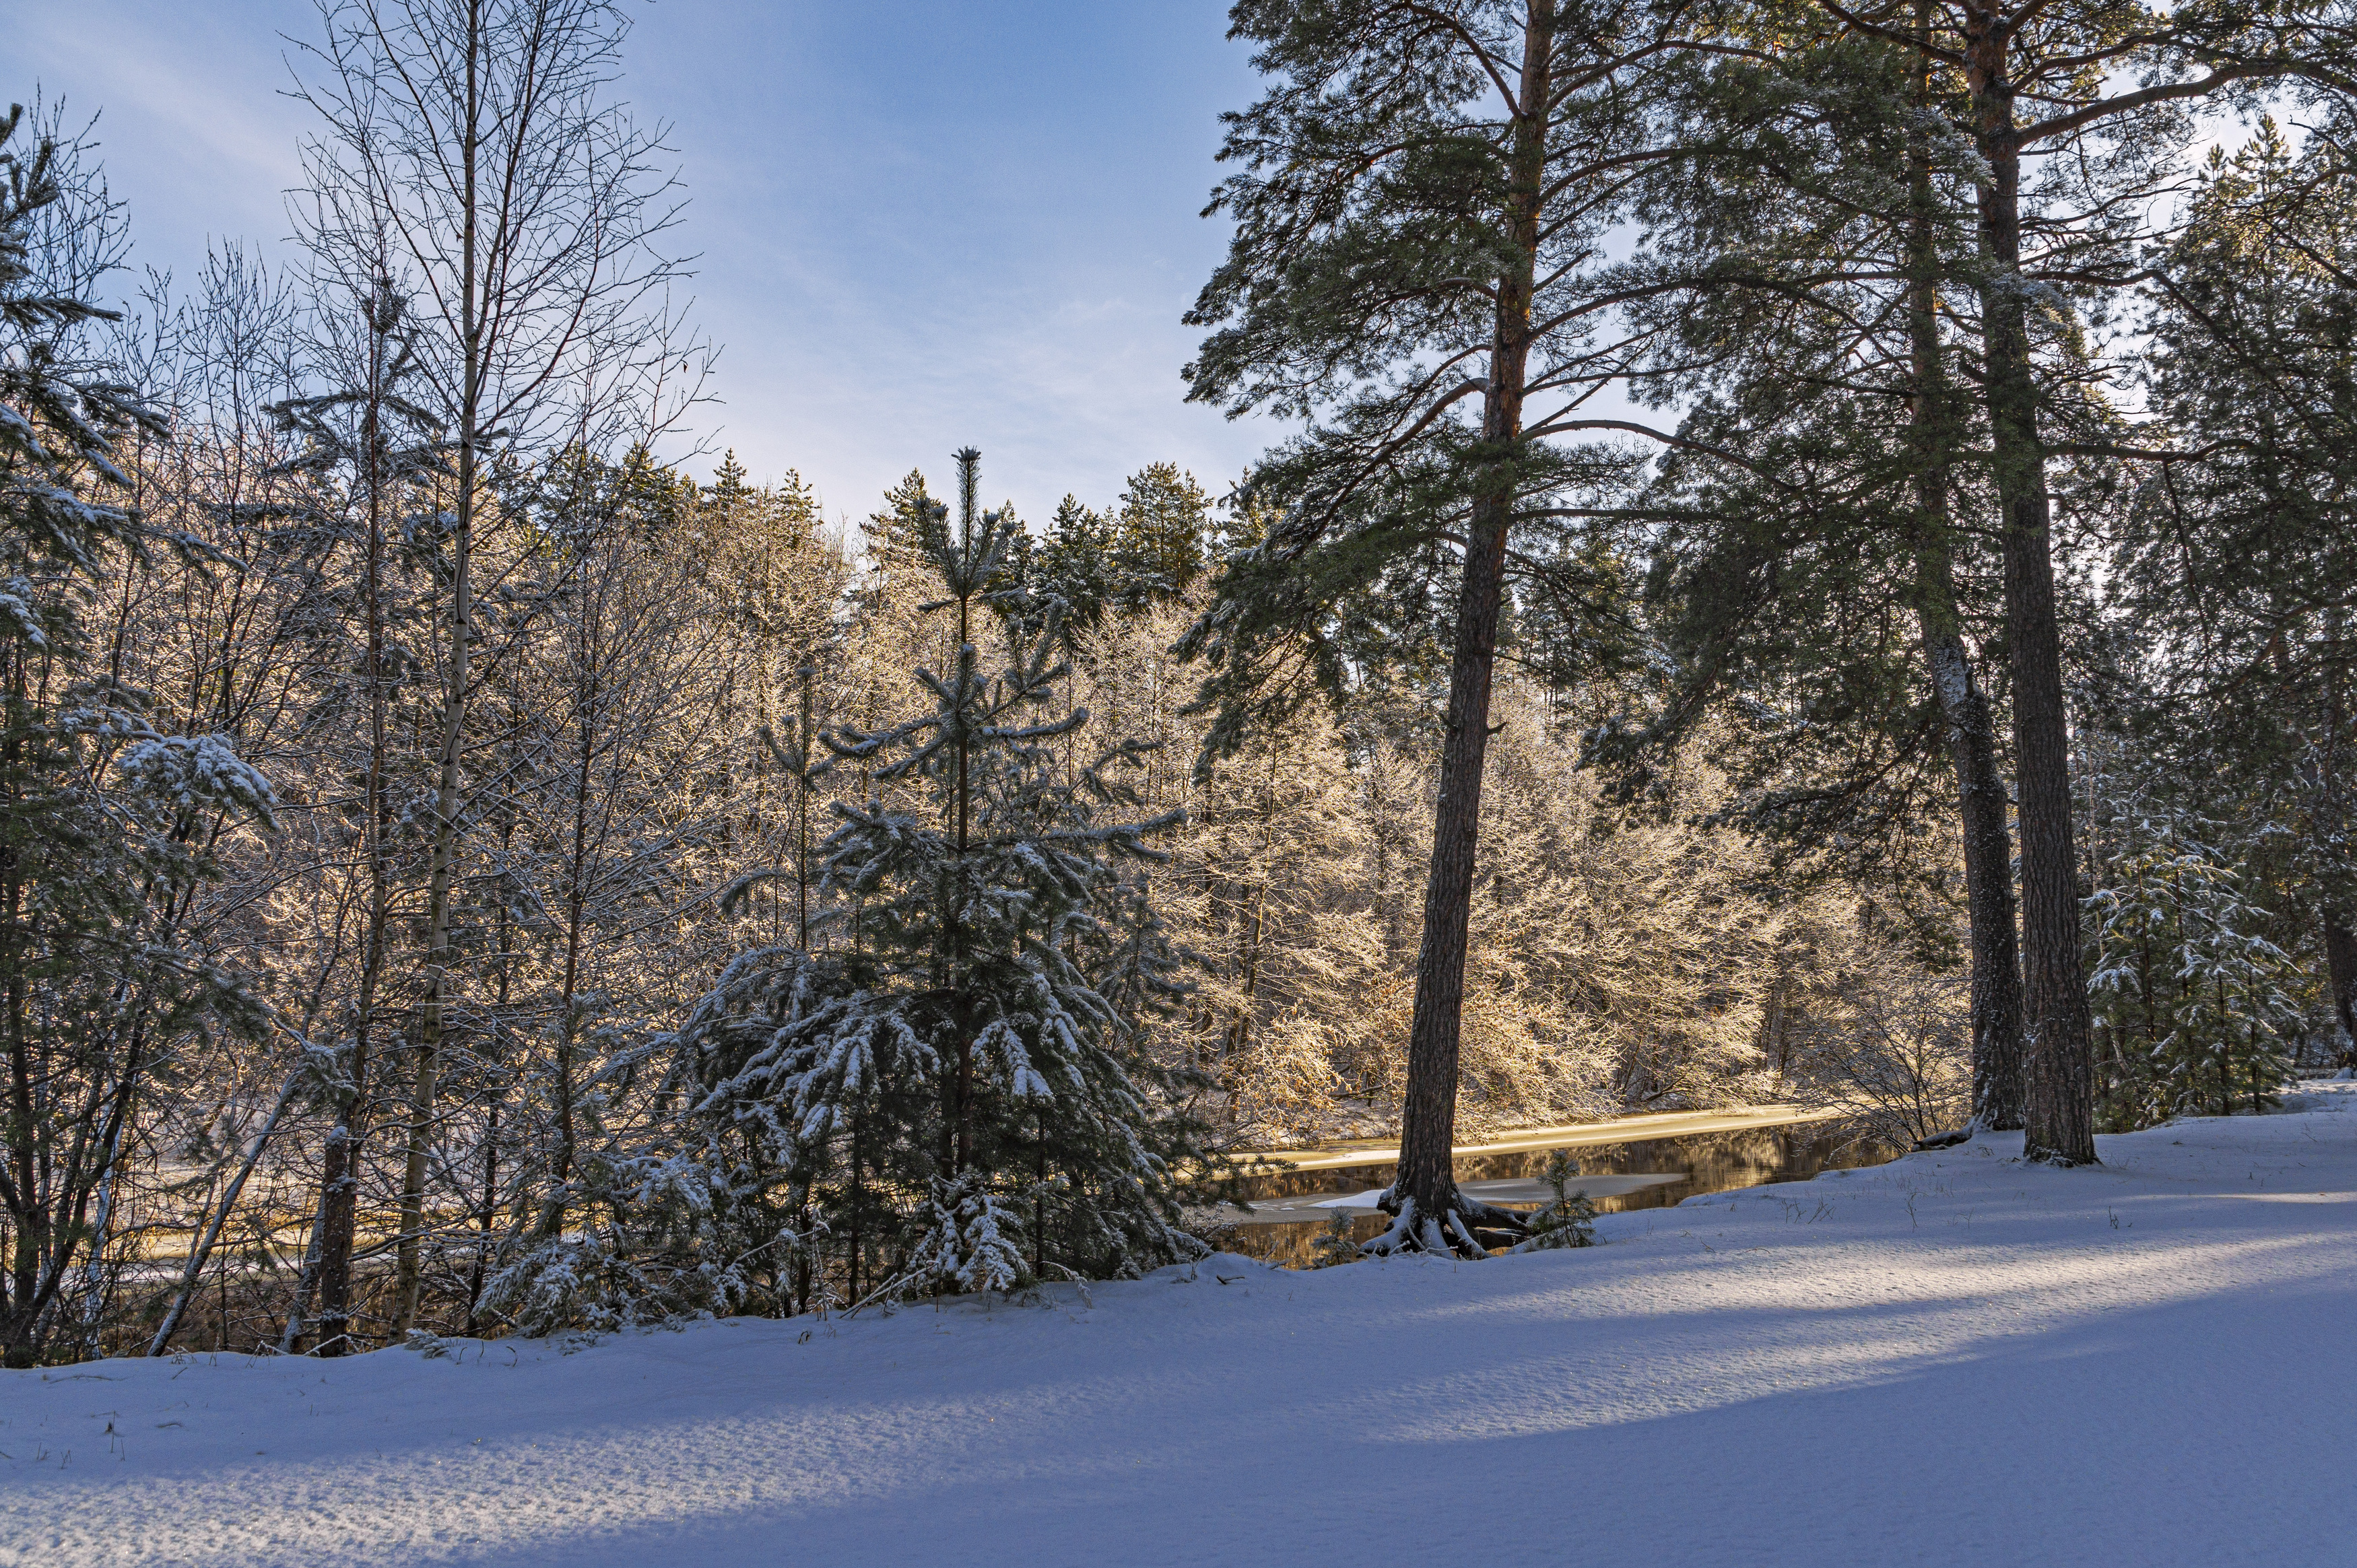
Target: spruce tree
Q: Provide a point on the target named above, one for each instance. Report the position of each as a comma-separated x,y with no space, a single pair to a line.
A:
2191,1000
1075,565
953,1083
372,454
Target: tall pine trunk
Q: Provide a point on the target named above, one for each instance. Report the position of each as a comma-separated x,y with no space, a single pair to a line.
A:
1964,707
2058,1080
2340,940
1424,1192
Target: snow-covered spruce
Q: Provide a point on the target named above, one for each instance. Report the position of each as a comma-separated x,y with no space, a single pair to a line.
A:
946,1081
649,1251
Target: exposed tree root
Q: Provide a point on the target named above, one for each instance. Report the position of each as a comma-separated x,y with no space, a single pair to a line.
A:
1466,1228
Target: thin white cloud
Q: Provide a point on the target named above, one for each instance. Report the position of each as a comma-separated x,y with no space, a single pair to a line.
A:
194,133
894,267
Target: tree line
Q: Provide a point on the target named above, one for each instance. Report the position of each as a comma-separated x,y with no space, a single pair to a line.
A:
463,875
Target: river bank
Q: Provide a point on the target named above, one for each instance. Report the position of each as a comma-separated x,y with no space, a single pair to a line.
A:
2146,1362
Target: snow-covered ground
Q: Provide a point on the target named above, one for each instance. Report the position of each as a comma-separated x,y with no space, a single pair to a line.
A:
1955,1358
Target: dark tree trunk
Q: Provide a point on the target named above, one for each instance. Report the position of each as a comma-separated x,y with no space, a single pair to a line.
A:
340,1181
2058,1100
483,1217
28,1216
1429,1213
2340,940
1988,886
2340,974
1964,707
958,1133
476,312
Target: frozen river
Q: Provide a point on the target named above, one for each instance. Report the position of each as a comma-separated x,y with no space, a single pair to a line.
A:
1647,1162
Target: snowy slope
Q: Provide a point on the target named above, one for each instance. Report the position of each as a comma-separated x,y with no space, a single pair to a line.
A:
1954,1358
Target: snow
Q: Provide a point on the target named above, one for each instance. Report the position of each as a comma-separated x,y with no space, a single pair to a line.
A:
2148,1362
191,772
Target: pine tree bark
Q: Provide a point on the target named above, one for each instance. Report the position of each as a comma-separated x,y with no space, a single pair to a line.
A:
1430,1215
1963,708
1988,881
2340,974
2340,940
2059,1079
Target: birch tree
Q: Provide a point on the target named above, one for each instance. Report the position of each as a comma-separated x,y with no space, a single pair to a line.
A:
523,209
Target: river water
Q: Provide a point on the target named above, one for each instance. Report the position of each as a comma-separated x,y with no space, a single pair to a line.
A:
1291,1209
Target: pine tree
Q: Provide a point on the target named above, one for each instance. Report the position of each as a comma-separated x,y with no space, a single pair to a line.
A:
1820,485
2069,66
1567,1219
1159,532
1418,227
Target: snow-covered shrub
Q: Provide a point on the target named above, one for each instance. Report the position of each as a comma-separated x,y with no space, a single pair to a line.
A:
969,1239
191,773
652,1249
594,1284
1880,1037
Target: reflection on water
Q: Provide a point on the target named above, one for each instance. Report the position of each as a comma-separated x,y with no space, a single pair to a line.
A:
1705,1161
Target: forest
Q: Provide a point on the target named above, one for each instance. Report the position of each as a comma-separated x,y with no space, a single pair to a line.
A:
1814,564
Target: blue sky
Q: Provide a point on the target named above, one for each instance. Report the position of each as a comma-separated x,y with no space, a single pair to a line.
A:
921,224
